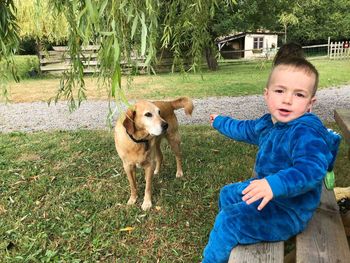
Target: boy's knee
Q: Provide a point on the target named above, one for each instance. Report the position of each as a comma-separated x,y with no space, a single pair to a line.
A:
231,194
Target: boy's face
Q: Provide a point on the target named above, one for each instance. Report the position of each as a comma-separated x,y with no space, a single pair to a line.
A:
289,94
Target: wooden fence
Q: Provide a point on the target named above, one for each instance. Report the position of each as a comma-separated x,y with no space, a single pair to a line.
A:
339,50
58,60
331,50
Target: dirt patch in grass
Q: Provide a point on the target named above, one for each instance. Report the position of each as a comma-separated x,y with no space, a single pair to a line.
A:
29,157
45,89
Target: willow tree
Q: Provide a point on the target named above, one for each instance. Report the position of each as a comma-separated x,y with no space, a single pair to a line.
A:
122,28
9,41
37,19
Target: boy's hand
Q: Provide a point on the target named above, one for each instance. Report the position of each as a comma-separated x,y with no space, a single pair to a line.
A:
256,190
212,118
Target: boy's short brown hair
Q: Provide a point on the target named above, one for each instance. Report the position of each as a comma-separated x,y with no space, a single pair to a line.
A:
288,50
301,64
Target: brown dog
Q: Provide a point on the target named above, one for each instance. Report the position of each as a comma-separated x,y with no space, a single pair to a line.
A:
138,135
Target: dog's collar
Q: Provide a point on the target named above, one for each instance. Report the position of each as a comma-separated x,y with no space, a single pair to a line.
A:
146,142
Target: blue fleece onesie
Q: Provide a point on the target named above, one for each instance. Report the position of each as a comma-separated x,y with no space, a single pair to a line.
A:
294,158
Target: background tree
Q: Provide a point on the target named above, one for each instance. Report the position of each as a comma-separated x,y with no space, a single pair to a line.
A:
9,41
39,21
286,20
319,20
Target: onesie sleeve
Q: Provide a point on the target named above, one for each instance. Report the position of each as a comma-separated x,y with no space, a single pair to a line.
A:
310,155
239,130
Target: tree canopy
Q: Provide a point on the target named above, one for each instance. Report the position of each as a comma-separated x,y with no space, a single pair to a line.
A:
123,28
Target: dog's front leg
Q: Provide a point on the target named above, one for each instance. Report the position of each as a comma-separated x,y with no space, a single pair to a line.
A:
147,200
174,141
159,156
130,171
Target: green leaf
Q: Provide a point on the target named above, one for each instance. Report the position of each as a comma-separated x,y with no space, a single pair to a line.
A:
103,7
92,11
107,33
116,79
116,51
134,26
143,35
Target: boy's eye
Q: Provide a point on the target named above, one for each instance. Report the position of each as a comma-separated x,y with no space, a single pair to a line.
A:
278,91
300,95
148,114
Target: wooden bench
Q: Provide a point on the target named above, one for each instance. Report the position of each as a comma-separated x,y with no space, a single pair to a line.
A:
324,240
342,118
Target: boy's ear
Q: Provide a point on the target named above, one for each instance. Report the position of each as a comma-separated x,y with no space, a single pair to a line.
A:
265,92
312,102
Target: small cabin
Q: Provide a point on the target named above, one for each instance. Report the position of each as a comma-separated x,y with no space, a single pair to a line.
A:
248,45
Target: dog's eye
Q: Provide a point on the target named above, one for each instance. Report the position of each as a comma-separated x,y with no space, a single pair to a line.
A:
148,114
159,112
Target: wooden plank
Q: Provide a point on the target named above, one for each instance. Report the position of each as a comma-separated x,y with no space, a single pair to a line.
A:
62,68
65,56
324,239
88,47
342,118
267,252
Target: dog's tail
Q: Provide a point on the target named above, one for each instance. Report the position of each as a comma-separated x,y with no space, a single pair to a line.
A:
183,102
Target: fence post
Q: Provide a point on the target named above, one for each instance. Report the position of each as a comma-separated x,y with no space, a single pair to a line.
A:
331,53
336,50
328,47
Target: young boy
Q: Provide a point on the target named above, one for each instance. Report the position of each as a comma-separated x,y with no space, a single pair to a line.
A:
295,152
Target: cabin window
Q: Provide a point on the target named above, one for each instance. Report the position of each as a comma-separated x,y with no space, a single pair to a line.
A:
258,42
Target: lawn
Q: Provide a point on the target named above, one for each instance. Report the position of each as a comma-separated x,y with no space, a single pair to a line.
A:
233,79
63,194
63,197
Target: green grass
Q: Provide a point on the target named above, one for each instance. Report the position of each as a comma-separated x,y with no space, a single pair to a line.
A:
63,197
232,79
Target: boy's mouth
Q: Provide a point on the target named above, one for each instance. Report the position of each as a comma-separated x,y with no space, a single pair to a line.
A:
284,111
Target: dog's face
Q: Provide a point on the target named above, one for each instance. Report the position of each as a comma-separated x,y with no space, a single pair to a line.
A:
144,120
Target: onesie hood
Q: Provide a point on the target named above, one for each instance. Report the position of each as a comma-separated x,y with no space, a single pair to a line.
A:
331,137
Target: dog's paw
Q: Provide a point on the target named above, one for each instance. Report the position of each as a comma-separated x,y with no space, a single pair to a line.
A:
146,205
156,171
132,200
179,174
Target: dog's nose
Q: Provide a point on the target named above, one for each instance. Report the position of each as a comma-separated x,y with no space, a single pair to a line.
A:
165,126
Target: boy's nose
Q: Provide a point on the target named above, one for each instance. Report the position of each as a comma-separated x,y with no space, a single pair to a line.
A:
288,99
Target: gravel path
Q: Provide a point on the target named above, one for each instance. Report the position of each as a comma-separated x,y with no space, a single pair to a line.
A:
38,116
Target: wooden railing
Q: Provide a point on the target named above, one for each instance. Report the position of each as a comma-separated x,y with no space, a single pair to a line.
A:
58,60
339,50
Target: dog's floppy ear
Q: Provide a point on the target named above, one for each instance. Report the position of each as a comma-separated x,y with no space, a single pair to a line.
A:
128,123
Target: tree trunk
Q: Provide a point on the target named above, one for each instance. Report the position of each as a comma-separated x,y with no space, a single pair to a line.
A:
211,59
